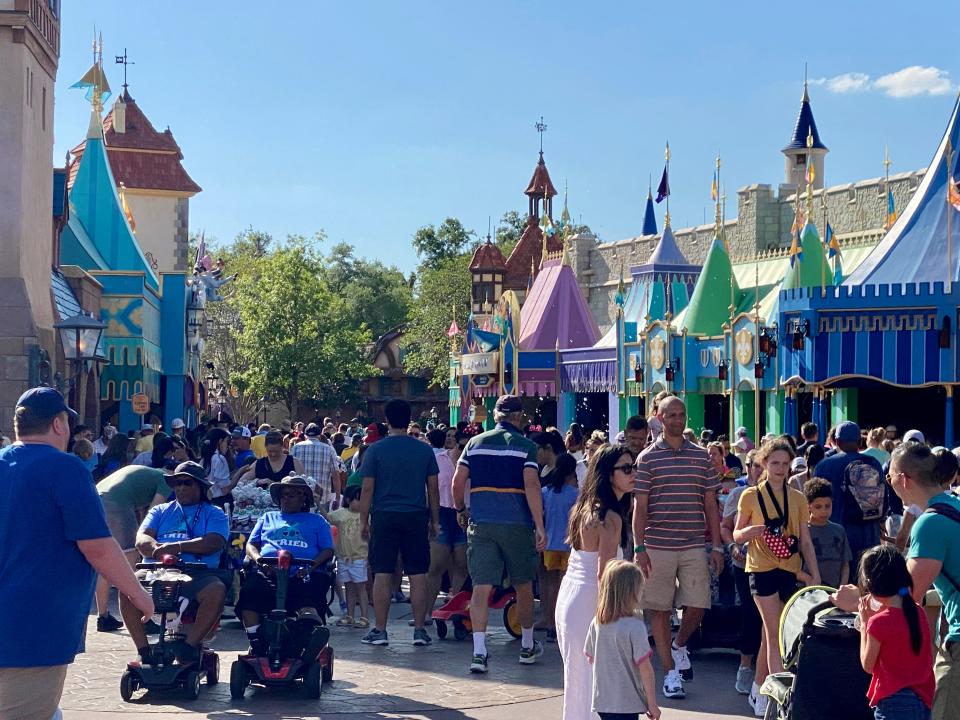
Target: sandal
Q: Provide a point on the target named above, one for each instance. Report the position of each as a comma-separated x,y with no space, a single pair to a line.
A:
345,621
361,623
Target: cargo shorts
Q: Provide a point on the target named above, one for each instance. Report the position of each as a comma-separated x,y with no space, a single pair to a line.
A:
496,549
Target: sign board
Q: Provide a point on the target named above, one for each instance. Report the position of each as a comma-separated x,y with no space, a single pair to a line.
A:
140,403
479,363
482,380
478,413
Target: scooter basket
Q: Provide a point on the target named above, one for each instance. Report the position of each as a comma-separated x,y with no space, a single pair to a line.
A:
166,596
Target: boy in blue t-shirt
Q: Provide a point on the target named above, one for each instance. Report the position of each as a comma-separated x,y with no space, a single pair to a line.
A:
559,497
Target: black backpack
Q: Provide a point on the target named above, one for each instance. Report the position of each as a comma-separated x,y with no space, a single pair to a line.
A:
864,492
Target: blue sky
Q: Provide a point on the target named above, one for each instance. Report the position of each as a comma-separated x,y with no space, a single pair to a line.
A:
370,119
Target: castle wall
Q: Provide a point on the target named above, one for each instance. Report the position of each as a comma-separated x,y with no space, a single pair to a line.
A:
763,223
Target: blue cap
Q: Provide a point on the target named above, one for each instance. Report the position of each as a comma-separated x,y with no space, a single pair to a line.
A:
45,402
848,432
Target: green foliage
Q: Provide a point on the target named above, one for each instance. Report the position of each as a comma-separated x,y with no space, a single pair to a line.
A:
509,230
435,245
442,294
378,295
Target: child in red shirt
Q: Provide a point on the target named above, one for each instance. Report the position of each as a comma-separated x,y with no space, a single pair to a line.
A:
894,639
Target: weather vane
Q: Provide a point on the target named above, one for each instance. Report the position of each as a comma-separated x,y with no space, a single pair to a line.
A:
124,60
541,127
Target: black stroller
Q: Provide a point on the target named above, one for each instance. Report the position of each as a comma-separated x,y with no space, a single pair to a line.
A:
823,678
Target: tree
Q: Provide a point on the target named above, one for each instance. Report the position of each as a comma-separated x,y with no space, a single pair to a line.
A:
379,295
435,245
442,294
299,339
509,230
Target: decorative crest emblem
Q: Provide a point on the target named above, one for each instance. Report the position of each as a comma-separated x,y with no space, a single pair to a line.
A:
744,346
657,354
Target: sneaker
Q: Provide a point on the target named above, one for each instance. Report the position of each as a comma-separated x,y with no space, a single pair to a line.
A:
759,703
528,656
479,663
108,623
398,597
673,685
744,680
375,637
420,637
151,628
681,662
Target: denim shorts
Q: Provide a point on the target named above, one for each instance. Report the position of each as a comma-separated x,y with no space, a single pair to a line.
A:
451,534
902,705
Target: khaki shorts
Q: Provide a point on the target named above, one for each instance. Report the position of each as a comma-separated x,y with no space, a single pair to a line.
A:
678,578
31,693
947,670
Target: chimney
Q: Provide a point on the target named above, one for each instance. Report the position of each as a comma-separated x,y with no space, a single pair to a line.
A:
120,116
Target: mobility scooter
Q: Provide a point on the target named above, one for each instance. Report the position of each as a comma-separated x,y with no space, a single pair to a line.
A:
296,643
160,671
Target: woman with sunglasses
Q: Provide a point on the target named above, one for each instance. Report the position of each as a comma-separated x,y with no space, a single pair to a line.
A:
596,532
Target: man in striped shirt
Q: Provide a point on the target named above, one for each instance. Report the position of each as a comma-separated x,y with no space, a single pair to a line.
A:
674,504
506,523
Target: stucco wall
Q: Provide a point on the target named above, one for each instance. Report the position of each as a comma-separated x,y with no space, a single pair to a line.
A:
156,218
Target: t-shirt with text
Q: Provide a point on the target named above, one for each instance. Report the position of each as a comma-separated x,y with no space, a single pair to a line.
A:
174,523
304,535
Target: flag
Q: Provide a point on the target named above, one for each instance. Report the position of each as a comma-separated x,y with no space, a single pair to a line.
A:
621,297
953,194
663,189
798,221
837,272
796,249
713,188
453,330
830,240
811,173
891,209
93,81
546,225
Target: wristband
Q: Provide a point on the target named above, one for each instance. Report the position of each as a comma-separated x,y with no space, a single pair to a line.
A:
461,511
641,548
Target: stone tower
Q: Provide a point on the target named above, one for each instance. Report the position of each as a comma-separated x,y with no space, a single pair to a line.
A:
797,155
29,55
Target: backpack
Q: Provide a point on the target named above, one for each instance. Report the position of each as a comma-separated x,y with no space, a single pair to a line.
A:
863,493
948,511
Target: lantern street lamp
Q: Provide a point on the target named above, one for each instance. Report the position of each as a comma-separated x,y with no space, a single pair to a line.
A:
80,337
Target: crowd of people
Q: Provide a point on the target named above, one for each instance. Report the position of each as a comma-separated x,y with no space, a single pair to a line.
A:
621,541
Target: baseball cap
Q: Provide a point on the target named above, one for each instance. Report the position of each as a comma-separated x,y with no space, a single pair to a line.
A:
312,430
146,426
798,463
241,431
914,436
177,423
741,431
509,404
848,432
46,402
372,434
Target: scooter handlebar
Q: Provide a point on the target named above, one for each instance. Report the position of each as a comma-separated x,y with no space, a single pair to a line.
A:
273,562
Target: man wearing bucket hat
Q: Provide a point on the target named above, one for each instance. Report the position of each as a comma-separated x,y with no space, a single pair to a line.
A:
306,536
55,540
194,530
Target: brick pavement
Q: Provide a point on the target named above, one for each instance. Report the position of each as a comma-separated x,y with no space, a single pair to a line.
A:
399,681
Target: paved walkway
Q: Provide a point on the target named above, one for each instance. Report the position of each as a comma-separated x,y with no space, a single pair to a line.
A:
398,681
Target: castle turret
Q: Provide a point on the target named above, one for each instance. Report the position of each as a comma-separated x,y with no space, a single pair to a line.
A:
797,155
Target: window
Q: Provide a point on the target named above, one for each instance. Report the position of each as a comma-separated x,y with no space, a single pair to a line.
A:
802,159
43,109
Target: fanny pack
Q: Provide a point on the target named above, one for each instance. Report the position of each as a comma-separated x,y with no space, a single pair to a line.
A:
781,545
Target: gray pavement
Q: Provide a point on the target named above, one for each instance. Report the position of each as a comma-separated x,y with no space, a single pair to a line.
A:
398,681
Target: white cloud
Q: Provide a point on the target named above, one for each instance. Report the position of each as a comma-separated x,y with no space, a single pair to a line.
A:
850,82
915,80
908,82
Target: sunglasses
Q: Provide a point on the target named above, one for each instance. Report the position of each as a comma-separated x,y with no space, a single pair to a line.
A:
184,483
625,469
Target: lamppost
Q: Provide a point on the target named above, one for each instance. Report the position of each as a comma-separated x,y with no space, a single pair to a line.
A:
80,337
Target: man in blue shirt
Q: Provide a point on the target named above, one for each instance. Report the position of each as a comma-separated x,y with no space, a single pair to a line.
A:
54,540
861,535
506,522
195,531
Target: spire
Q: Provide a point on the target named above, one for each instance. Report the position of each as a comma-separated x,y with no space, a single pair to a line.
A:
810,268
805,126
708,311
649,217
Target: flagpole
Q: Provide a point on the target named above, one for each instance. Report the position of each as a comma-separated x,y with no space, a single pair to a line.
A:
886,187
666,220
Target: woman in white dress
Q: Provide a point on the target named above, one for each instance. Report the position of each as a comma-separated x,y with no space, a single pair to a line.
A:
596,533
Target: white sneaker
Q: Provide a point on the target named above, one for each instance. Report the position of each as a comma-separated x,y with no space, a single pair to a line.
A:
681,662
673,685
759,703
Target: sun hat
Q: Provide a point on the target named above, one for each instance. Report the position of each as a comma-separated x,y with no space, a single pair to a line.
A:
177,423
295,481
191,470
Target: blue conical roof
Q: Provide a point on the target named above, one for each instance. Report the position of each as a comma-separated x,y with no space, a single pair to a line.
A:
806,125
649,218
667,252
915,248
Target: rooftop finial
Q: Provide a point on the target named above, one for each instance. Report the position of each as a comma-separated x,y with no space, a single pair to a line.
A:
811,175
806,96
541,127
124,60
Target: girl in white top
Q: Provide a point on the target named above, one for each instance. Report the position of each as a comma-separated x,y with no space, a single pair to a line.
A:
213,453
624,686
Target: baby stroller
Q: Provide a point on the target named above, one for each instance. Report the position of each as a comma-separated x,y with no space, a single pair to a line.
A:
823,677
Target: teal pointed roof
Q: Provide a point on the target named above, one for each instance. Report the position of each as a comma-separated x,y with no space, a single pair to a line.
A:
709,306
95,205
812,270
